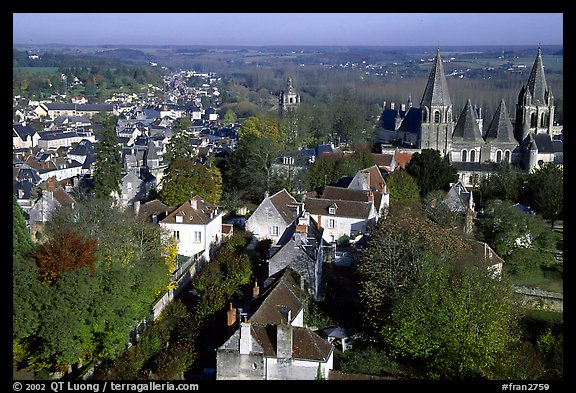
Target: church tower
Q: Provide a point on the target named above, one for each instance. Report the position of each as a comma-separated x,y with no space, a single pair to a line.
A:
436,110
289,98
535,107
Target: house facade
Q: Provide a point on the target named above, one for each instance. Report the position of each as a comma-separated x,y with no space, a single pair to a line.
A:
197,227
301,248
273,216
270,341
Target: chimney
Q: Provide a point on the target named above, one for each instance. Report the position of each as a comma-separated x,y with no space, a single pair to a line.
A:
245,338
284,334
194,203
231,316
51,184
392,105
136,207
255,289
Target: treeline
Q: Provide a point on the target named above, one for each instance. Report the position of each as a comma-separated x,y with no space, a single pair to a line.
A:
95,82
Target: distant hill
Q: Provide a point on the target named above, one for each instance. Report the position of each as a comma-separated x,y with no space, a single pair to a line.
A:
125,55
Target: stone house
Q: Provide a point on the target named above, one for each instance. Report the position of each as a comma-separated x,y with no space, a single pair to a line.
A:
274,214
301,248
270,340
197,227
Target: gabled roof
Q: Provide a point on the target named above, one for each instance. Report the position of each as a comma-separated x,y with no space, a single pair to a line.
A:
350,209
436,92
346,194
282,201
201,215
467,128
368,179
23,131
283,292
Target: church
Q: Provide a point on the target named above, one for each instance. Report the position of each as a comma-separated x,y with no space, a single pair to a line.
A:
526,141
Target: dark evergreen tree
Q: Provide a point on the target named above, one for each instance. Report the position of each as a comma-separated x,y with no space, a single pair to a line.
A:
431,171
107,172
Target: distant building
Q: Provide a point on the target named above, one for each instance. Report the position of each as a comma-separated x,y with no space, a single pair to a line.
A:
289,98
530,140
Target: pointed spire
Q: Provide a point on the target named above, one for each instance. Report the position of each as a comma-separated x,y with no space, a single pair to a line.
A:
467,127
500,127
436,92
537,81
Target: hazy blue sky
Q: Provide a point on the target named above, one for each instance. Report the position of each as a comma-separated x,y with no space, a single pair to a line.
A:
289,28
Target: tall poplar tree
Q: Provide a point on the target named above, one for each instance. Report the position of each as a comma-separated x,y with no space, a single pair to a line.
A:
107,173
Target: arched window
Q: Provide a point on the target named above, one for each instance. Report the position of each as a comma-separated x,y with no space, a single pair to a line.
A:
543,120
472,155
464,155
426,116
436,116
499,156
533,121
507,156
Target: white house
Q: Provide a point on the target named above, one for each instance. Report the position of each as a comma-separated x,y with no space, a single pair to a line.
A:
339,217
197,226
273,216
272,342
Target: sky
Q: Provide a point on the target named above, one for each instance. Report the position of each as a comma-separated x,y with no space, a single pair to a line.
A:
261,29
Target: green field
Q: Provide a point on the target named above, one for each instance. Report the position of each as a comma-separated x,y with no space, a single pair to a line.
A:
48,70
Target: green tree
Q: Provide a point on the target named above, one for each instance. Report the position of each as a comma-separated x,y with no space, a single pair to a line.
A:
255,128
431,171
186,179
460,322
229,117
249,169
390,263
435,206
402,186
545,191
179,145
524,241
107,171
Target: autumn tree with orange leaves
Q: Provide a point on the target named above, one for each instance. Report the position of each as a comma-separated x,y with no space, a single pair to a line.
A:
64,252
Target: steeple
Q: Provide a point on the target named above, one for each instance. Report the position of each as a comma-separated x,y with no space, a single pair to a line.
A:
500,128
537,82
436,92
467,128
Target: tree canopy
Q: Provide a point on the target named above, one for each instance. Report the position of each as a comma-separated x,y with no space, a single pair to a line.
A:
431,171
458,322
185,179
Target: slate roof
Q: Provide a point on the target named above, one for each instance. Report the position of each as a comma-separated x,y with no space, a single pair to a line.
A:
544,143
467,128
410,119
83,148
436,92
500,128
537,81
23,131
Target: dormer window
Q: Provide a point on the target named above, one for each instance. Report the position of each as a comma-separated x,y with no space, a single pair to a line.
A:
332,209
